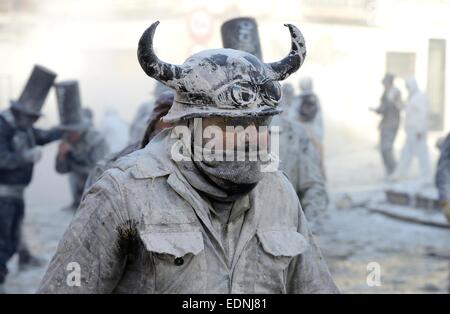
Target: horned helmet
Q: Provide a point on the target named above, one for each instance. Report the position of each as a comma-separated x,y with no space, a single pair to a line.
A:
222,82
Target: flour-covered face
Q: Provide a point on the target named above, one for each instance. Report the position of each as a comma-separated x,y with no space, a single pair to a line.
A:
231,150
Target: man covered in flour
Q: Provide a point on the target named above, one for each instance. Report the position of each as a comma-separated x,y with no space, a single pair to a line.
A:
157,223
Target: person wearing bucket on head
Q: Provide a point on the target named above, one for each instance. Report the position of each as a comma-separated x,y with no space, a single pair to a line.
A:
82,146
20,150
299,158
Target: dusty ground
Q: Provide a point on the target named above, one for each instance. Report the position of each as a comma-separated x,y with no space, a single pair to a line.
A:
412,258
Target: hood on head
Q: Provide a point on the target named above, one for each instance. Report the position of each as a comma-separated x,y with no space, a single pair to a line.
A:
411,84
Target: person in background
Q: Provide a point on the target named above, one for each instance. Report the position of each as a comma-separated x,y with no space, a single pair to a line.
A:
389,110
442,178
82,146
299,159
139,124
154,126
417,113
309,114
287,102
301,162
115,130
19,152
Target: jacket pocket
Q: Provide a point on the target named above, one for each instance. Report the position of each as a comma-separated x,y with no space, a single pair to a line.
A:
178,259
276,250
177,244
282,243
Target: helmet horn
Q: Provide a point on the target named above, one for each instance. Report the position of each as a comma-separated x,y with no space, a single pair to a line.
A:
282,69
166,73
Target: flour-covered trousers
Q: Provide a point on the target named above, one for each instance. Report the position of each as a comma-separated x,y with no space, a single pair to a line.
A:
11,216
387,138
414,147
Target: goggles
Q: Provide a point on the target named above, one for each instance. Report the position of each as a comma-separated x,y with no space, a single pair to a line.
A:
241,94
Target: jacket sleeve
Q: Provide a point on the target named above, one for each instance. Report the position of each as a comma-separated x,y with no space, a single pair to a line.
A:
313,193
442,179
47,136
381,108
308,272
94,242
8,159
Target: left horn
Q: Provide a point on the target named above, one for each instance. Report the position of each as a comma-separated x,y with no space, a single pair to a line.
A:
282,69
166,73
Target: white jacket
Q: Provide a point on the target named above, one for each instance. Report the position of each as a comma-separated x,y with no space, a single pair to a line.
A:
417,109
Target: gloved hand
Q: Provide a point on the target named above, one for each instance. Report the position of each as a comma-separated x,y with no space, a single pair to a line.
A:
63,149
33,155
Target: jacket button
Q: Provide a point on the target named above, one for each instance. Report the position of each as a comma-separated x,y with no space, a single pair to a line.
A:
179,261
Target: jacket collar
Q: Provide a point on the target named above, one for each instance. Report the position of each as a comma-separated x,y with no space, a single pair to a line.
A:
154,159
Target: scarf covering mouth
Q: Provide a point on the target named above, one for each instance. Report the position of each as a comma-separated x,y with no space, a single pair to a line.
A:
220,180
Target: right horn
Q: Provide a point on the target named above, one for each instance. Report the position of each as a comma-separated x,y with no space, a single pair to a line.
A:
166,73
282,69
